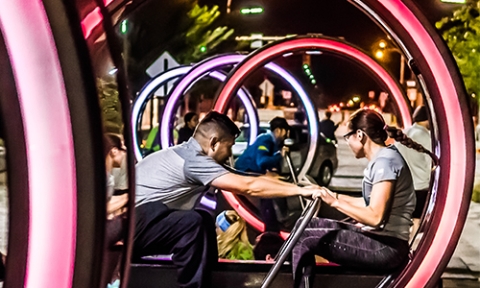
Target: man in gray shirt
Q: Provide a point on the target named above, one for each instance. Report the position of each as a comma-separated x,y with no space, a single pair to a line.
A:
169,184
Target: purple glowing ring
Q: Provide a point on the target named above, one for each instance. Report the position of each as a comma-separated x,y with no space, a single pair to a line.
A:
215,63
156,82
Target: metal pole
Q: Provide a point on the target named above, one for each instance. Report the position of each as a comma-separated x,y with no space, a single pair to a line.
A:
287,247
402,68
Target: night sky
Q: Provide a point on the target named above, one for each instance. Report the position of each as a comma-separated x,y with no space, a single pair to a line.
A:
337,78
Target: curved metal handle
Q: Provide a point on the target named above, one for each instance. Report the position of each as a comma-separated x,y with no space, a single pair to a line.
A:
312,209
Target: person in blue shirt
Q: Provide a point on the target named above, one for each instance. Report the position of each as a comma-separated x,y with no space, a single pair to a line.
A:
263,156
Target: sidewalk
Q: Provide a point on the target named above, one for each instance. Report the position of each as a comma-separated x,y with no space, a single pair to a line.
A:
463,270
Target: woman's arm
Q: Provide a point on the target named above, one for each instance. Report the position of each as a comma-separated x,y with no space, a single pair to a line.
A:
355,201
371,215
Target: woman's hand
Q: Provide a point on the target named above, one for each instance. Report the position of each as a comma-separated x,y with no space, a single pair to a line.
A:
327,196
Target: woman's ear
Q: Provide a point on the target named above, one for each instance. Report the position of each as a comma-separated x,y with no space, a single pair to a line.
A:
360,135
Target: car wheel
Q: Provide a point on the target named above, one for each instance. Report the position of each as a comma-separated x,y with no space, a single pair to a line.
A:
325,174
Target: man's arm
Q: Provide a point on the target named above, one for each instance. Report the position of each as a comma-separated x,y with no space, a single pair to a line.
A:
261,186
266,161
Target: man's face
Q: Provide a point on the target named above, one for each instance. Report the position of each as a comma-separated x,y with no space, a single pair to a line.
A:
222,150
193,122
118,155
280,134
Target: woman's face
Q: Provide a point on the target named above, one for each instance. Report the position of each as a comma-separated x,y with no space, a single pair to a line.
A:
355,140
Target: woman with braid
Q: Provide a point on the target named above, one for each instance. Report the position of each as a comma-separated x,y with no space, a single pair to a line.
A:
378,238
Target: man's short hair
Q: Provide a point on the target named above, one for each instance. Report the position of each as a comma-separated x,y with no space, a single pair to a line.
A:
269,243
279,122
223,124
328,114
188,117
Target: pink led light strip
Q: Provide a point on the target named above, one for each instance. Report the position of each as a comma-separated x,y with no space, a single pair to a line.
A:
247,66
308,43
48,138
93,19
457,152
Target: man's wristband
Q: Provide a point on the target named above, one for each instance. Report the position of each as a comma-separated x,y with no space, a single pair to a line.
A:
336,195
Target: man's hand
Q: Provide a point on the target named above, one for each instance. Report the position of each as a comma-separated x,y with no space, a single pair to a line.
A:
311,191
285,151
272,174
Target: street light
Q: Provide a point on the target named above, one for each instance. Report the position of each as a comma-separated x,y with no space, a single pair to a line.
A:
380,53
252,10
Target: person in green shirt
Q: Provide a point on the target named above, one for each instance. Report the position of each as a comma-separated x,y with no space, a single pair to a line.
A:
232,237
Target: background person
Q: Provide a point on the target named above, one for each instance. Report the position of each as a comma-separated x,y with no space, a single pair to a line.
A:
384,211
191,122
328,127
262,156
232,238
115,155
169,184
420,164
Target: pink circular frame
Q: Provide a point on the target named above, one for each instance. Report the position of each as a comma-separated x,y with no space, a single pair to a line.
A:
453,163
49,142
256,59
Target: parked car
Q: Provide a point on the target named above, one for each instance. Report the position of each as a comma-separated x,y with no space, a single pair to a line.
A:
325,161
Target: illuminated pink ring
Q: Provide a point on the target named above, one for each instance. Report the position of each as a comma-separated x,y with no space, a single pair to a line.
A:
268,53
49,145
453,182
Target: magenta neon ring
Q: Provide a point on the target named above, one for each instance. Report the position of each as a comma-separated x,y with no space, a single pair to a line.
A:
269,52
223,60
454,180
217,62
51,161
174,73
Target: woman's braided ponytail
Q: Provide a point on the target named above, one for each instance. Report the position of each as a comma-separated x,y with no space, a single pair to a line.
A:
403,139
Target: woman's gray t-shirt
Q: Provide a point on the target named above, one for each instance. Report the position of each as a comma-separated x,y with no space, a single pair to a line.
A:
389,165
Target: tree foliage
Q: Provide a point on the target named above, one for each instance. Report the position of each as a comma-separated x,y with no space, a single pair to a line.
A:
461,31
201,39
110,105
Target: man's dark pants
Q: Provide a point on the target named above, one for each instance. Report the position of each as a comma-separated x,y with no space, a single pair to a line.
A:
189,235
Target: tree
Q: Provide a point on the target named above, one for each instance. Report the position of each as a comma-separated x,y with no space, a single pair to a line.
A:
200,40
189,32
110,105
461,31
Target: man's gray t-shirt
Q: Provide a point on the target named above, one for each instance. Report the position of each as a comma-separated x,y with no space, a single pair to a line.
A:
389,165
177,176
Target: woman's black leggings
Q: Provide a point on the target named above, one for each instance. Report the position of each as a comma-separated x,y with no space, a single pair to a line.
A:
347,245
